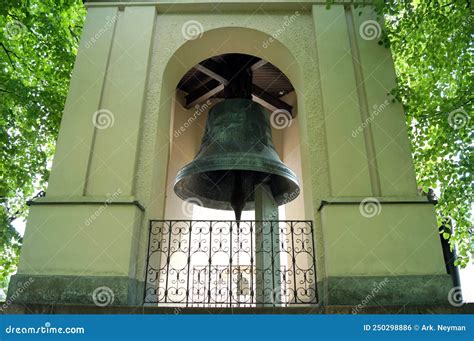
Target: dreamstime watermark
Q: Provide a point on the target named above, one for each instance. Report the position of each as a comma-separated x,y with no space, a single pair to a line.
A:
455,297
23,286
287,197
468,22
103,207
280,119
370,30
377,110
46,329
103,296
370,207
188,205
267,222
375,290
199,110
14,29
289,20
109,23
103,119
192,30
458,118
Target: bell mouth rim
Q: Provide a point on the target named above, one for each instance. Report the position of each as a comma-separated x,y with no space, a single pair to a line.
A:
224,205
244,164
280,171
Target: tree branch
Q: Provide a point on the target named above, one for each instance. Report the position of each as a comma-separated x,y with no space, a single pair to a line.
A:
454,107
7,52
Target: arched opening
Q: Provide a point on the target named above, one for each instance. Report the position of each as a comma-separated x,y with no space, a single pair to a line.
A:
197,92
180,267
179,61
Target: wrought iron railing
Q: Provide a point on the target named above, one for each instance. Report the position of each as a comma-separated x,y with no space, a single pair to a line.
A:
222,264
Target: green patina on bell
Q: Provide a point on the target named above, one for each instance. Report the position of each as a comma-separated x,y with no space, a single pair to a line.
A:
236,154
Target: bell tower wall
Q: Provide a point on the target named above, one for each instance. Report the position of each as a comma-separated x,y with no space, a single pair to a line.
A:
110,170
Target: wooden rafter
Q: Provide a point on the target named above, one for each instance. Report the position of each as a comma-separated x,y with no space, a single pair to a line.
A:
218,82
204,93
268,101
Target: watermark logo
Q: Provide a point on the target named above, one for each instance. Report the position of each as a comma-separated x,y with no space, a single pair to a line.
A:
455,297
370,207
199,110
280,119
192,30
103,296
98,212
188,205
109,23
103,119
288,197
289,20
370,30
458,118
14,29
377,110
377,286
20,289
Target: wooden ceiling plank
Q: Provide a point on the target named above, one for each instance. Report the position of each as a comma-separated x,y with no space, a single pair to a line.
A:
211,73
268,101
203,94
258,64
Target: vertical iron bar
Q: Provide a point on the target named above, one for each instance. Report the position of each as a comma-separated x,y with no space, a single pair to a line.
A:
273,262
295,291
314,265
168,258
148,263
252,296
210,262
189,262
230,266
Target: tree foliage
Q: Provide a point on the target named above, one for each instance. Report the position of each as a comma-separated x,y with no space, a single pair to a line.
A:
38,43
431,42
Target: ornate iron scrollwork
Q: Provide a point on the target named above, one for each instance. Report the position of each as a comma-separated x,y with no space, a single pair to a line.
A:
213,263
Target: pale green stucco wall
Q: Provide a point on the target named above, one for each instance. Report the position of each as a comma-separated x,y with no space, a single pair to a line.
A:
132,70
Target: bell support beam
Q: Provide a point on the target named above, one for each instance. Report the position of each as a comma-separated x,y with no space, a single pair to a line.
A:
268,101
204,93
211,73
258,64
267,255
259,95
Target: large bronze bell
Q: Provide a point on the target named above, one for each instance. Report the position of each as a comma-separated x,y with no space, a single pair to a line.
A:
236,154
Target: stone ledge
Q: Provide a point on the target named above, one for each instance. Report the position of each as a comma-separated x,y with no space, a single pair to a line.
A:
356,201
87,200
92,309
387,290
67,289
190,6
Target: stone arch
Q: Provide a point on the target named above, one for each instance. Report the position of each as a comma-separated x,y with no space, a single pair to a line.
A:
223,40
234,40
